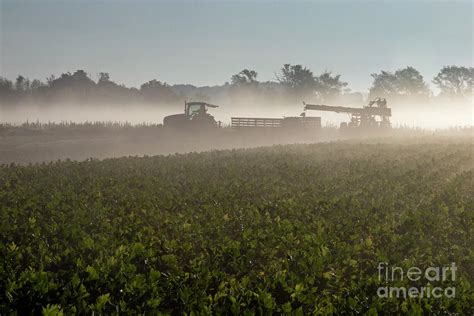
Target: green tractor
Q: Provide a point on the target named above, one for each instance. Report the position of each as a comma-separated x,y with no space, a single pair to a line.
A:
195,116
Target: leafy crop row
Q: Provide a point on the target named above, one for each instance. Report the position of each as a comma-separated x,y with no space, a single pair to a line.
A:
287,229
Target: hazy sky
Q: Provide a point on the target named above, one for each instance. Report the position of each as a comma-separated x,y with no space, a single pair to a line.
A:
204,43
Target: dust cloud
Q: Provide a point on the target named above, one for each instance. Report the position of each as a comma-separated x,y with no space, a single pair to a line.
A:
133,114
425,116
136,129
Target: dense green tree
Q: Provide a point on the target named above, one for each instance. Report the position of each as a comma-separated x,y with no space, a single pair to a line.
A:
384,85
298,80
6,90
73,82
244,86
103,77
5,85
410,82
455,81
328,87
245,78
295,83
406,82
22,84
156,91
36,84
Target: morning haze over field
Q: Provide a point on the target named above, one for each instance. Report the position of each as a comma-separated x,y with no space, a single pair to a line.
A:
189,50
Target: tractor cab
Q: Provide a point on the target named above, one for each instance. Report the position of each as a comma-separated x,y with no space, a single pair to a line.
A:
192,109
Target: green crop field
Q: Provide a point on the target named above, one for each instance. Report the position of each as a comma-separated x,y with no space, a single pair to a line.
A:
285,229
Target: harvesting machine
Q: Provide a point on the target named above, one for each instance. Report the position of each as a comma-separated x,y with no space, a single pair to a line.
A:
375,115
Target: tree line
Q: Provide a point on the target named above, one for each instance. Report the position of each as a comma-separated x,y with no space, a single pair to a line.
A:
292,83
